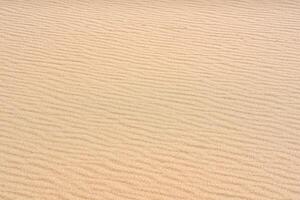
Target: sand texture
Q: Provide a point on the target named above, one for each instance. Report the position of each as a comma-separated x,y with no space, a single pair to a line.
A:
149,100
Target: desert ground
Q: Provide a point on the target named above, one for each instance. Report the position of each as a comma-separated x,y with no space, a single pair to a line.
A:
149,100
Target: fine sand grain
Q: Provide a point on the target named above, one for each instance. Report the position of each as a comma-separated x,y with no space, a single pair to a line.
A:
149,100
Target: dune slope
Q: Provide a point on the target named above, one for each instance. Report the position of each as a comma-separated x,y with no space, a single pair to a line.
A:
149,100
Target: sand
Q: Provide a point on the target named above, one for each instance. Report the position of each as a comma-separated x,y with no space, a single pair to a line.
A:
149,100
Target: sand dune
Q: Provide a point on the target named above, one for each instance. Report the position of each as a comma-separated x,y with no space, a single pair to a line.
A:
149,100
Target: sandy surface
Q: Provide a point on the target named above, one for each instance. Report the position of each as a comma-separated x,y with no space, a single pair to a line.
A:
149,100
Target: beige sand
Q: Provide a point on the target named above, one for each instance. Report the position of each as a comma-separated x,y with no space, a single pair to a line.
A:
149,100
